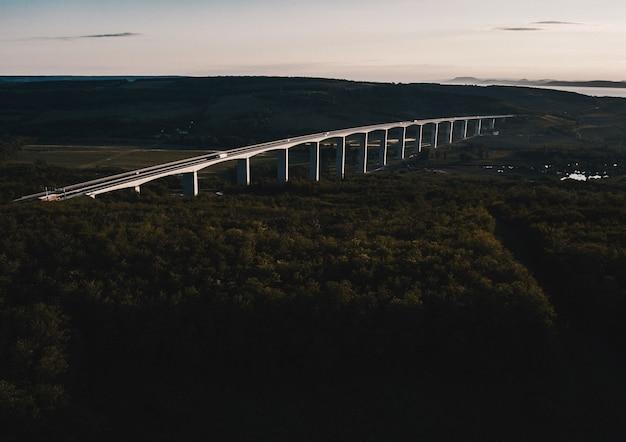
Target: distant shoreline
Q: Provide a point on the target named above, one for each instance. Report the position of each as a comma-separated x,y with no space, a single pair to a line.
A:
590,88
540,83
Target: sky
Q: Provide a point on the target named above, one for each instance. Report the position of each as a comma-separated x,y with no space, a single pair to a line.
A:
385,40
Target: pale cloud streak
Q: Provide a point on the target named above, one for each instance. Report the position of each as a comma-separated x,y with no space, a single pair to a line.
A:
555,22
91,36
519,29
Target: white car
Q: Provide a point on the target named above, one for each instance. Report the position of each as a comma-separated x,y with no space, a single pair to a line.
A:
222,155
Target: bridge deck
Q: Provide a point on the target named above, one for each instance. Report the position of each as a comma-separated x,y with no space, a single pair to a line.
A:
138,177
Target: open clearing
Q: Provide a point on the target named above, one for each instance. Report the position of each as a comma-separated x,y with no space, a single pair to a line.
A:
89,157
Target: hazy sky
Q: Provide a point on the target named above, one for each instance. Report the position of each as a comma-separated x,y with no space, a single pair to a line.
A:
389,40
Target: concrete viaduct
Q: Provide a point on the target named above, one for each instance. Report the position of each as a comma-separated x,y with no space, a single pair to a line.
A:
439,130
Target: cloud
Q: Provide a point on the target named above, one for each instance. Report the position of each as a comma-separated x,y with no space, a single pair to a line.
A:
120,34
555,22
523,29
535,28
80,37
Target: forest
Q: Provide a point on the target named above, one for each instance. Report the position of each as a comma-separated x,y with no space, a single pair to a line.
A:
424,302
317,312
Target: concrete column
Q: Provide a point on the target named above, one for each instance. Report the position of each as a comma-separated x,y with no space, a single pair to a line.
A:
420,138
190,183
492,124
283,165
314,162
382,159
341,158
465,129
137,189
243,172
479,127
402,153
435,136
451,138
363,156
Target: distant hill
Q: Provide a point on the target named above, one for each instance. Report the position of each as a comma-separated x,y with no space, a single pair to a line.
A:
235,111
525,82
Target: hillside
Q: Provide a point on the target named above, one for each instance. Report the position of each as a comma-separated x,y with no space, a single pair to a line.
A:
224,112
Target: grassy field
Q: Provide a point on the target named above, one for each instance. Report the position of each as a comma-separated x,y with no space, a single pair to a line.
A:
132,157
89,157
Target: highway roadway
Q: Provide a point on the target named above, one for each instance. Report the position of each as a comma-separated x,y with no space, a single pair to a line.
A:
136,178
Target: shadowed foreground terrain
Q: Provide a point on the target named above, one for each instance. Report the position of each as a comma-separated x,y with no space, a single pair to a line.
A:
448,298
377,308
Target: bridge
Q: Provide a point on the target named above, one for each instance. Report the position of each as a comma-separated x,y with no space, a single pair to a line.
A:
427,133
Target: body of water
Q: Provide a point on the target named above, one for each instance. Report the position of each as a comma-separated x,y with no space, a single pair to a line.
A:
592,91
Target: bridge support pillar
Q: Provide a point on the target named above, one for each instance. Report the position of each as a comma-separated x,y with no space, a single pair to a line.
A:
402,150
190,184
243,172
137,190
363,156
466,124
382,158
283,165
492,124
479,127
340,160
435,140
314,162
451,133
420,138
